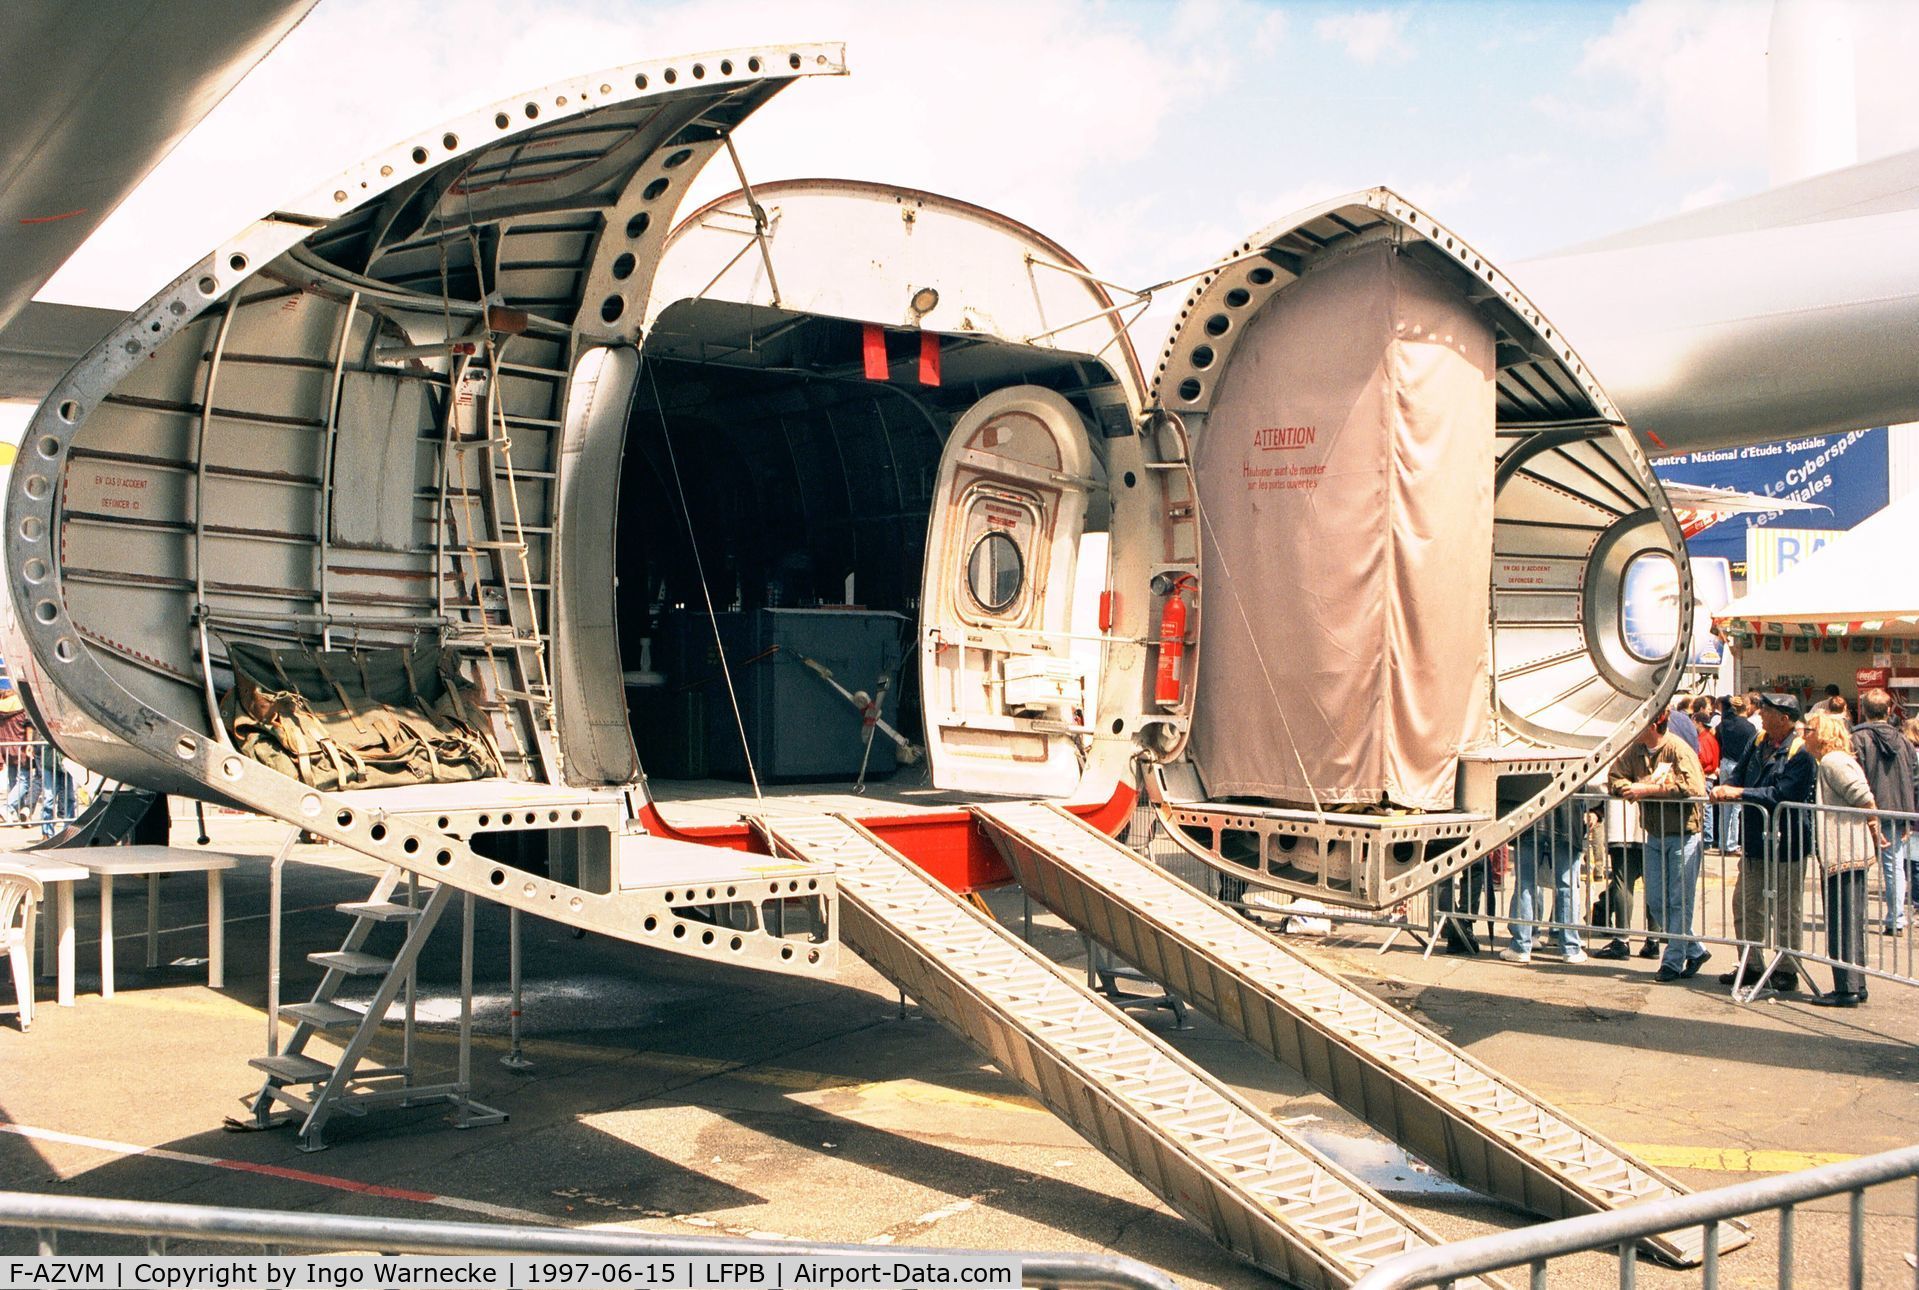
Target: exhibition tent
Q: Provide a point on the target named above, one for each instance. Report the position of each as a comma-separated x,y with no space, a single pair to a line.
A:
1861,582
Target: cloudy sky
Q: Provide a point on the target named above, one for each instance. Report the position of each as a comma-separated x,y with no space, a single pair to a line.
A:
1146,136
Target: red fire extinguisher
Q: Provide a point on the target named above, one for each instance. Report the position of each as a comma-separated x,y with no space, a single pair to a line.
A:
1172,640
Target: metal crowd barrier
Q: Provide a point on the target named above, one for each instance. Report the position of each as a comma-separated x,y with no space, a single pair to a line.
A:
162,1224
25,757
1621,1229
1786,926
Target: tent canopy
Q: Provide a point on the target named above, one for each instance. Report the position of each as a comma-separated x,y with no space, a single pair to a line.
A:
1864,577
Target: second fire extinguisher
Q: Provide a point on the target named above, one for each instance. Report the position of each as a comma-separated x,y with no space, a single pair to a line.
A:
1172,636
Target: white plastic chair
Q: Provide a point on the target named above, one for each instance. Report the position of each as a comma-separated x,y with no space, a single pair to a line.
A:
20,896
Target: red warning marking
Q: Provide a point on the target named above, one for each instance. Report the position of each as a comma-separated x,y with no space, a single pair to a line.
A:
873,352
55,219
929,358
505,1213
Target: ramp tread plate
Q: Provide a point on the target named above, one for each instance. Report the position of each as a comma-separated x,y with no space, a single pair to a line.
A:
1016,998
1427,1073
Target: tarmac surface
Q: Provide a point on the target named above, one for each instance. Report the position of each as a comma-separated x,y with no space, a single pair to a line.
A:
673,1096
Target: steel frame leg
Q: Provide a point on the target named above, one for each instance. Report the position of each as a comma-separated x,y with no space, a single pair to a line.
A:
515,1060
470,1114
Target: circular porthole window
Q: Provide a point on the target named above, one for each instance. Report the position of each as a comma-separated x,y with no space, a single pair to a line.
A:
995,571
1649,607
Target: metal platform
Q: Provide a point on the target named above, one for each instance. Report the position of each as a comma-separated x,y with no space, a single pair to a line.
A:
1482,770
1430,1097
1262,1193
1347,858
494,805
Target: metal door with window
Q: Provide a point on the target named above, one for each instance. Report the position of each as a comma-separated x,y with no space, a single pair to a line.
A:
1007,703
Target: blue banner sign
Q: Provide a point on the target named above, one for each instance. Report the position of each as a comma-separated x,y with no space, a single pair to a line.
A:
1847,474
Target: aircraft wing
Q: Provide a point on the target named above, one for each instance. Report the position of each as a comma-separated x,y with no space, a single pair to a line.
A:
43,341
95,94
1793,312
1698,507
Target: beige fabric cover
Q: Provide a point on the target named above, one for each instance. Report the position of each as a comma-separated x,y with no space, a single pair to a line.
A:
1346,475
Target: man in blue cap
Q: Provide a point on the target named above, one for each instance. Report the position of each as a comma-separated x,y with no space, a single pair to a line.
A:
1776,770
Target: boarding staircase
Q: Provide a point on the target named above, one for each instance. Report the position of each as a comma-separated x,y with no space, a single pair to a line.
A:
313,1088
1261,1192
725,906
1433,1099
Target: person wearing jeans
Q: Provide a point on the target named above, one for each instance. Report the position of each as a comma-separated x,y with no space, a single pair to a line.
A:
1661,772
1886,759
1736,738
1552,840
57,796
1847,842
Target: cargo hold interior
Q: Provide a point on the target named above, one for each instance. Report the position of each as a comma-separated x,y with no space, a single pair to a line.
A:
765,471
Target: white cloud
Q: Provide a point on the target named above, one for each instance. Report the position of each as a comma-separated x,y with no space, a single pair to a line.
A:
939,98
1269,33
1224,27
1368,35
1689,73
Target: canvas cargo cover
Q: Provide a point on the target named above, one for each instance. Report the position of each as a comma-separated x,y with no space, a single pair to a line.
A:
1346,475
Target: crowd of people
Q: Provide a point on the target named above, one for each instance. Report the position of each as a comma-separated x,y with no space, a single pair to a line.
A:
36,784
1781,789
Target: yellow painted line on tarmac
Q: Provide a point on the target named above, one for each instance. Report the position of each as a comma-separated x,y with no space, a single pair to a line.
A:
1737,1160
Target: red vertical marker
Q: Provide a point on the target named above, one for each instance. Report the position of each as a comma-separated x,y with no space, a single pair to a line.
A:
929,358
873,345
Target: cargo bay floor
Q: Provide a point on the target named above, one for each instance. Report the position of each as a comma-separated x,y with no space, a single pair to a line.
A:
673,1096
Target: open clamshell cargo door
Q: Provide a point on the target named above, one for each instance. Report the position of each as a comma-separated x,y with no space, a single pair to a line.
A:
383,423
1005,696
1419,512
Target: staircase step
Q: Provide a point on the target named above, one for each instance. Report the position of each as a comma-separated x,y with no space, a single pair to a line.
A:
322,1016
380,911
352,962
292,1068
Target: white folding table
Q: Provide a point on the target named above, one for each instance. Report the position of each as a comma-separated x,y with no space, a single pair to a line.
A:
152,861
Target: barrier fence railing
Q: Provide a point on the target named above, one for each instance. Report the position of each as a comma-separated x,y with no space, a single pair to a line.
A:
40,787
161,1226
1534,1248
1588,880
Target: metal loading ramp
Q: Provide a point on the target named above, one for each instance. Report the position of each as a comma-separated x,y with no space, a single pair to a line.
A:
1422,1092
1221,1164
